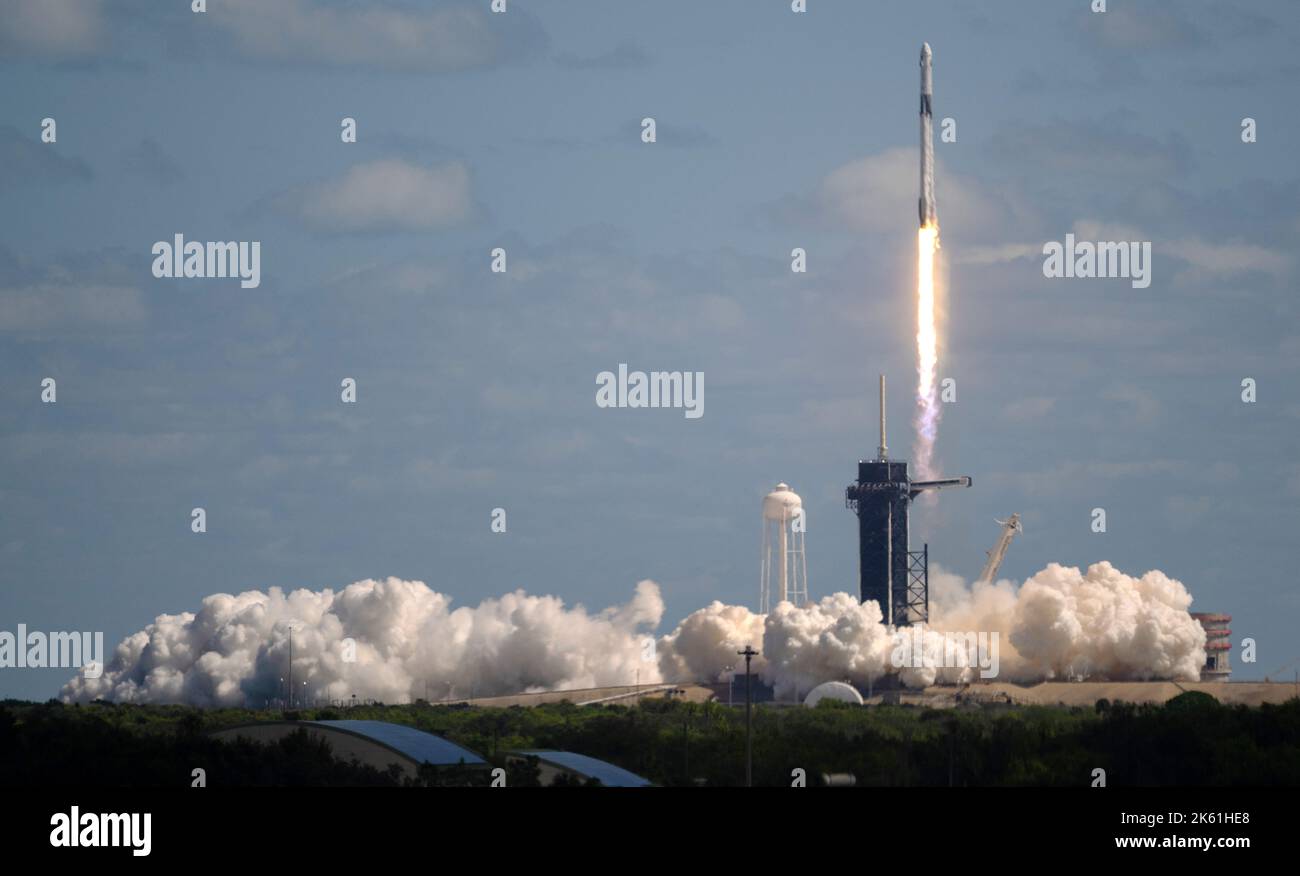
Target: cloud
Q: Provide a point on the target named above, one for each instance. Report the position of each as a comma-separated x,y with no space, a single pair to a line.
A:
877,194
625,56
25,161
77,291
1224,259
1127,29
384,195
51,28
69,306
450,36
1207,258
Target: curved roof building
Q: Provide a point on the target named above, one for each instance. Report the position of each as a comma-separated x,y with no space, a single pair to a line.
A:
581,766
374,743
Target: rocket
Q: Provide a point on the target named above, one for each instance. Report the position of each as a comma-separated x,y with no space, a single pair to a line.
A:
925,205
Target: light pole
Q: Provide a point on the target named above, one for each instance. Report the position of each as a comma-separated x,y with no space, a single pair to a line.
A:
731,684
749,653
686,737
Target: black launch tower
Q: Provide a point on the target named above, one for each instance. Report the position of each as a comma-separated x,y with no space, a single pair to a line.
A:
897,577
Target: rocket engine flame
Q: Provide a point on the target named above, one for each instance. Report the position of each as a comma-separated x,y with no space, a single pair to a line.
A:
928,411
926,421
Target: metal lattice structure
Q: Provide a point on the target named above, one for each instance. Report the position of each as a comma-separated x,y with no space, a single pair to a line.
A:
918,586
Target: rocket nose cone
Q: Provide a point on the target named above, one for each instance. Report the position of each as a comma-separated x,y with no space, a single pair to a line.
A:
925,51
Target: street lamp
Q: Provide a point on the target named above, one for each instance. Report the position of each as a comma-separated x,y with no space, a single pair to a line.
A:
749,653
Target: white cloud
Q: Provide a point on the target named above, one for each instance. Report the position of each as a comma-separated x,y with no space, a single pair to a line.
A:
389,194
1224,259
50,305
1207,257
51,27
877,193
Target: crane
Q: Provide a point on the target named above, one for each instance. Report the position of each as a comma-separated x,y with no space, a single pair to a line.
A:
1277,672
1010,527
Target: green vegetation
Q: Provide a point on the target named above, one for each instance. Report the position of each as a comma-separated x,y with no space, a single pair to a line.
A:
1191,740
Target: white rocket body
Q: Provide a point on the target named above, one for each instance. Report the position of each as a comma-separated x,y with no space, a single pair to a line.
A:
928,214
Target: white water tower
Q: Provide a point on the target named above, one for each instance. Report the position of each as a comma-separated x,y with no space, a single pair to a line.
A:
785,569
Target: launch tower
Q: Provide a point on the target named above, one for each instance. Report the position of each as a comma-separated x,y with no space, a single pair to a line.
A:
897,577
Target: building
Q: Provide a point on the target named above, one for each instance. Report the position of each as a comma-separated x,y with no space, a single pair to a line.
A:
1218,645
580,767
378,744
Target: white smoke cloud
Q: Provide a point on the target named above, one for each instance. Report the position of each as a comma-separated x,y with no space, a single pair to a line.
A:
1061,623
1106,624
235,649
709,640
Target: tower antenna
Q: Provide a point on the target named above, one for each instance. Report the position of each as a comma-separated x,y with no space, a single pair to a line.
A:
883,450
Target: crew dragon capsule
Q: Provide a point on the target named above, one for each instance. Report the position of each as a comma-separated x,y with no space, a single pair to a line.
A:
925,205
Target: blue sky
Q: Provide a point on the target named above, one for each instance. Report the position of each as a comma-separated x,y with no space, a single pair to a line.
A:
476,390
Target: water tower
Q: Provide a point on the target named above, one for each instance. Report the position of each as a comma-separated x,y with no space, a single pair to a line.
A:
785,568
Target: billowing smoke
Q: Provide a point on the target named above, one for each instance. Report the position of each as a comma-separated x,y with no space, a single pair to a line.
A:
393,641
1063,623
1060,624
396,641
